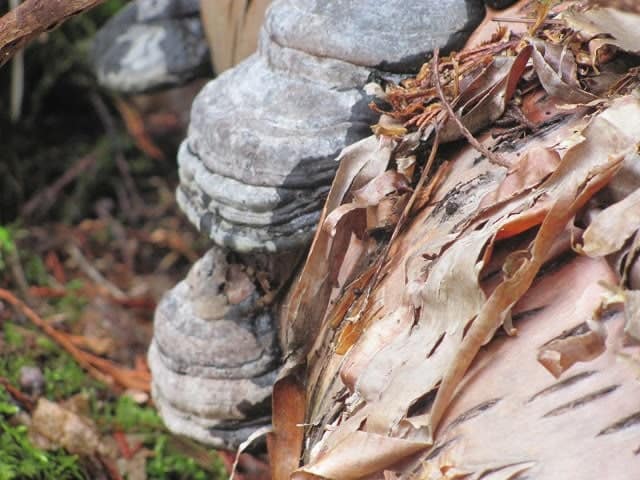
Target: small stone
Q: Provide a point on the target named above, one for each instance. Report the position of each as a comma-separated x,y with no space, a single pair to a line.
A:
31,380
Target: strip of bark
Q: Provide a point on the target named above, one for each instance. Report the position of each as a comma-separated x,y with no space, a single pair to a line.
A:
33,17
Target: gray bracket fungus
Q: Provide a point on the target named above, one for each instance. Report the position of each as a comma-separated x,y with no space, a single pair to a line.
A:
151,44
213,361
263,138
394,35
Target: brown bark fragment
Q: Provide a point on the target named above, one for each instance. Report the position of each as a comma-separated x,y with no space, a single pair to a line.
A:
34,17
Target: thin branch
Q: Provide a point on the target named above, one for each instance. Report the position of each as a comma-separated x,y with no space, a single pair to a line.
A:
59,337
17,78
492,157
549,21
24,399
100,368
93,273
130,190
42,201
33,17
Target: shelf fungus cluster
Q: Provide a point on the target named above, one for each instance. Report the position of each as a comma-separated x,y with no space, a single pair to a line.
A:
260,154
255,169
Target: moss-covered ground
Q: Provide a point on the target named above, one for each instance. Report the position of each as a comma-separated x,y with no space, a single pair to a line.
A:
118,219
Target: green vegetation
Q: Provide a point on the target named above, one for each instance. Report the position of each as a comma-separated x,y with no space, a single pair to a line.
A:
127,415
7,246
166,465
61,125
20,459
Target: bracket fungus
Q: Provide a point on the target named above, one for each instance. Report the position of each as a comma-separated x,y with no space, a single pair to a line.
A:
151,44
214,354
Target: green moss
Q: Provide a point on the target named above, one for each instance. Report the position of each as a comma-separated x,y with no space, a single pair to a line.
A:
20,459
7,246
125,414
12,335
35,271
73,302
165,465
63,378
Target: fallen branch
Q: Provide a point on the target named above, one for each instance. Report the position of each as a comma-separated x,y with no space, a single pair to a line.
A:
93,273
100,368
33,17
59,337
42,201
25,400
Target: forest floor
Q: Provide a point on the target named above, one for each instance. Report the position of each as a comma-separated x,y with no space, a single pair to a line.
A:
90,238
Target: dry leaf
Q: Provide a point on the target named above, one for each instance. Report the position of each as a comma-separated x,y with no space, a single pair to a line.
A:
561,354
534,166
556,69
400,366
507,406
64,428
613,27
612,227
428,317
632,313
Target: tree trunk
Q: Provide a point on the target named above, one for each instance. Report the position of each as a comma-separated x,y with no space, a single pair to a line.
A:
459,319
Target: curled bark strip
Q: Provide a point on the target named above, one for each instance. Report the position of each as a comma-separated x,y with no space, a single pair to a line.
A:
34,17
401,222
492,157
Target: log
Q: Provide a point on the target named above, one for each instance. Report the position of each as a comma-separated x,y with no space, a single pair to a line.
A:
33,17
492,333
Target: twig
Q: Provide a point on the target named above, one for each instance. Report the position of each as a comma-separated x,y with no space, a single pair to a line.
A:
59,337
13,259
25,400
93,273
135,126
34,17
407,208
549,21
121,163
17,77
100,368
401,221
492,157
109,466
43,200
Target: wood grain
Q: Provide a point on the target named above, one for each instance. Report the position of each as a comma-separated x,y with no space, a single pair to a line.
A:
34,17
